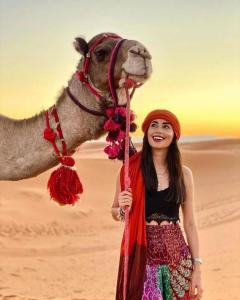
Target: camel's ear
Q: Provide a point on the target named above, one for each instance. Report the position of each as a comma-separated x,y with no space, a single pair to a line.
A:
81,45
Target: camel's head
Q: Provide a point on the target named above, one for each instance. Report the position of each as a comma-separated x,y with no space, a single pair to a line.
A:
133,61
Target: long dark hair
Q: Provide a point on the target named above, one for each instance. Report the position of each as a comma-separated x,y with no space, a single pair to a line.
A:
177,189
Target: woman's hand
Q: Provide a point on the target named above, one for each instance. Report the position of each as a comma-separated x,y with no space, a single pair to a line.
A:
125,198
196,283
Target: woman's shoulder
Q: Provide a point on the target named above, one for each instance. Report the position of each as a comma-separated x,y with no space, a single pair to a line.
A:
187,173
186,170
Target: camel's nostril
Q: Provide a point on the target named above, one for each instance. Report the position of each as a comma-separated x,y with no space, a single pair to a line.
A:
140,51
134,51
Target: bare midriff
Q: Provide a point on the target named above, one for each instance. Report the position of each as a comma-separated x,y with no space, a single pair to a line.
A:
165,222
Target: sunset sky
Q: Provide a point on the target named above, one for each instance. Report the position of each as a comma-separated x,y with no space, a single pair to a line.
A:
195,47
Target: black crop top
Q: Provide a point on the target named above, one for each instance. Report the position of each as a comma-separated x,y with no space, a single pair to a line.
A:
157,209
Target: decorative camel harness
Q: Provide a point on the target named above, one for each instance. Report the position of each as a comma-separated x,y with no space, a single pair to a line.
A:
64,183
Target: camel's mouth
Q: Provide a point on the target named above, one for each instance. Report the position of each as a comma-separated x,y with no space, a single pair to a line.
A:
137,67
136,78
139,71
139,77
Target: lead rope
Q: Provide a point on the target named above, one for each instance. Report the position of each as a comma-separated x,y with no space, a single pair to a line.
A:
127,183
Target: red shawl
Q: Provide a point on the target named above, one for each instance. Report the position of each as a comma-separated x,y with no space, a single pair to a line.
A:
137,234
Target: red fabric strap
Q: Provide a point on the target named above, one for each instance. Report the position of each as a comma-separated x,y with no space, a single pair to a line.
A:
97,42
59,131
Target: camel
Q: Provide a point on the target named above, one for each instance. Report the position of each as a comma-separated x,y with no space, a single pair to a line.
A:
24,153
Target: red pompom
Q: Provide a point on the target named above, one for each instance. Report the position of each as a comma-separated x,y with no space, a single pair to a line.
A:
49,134
110,112
111,125
64,185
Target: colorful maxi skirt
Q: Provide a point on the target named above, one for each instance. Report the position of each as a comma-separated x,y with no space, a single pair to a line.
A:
169,265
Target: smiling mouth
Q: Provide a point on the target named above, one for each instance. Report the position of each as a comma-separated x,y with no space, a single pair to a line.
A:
157,138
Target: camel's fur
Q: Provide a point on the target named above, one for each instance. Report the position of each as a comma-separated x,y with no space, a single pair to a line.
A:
24,153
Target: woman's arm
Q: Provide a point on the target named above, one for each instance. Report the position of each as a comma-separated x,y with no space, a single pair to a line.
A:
190,228
189,220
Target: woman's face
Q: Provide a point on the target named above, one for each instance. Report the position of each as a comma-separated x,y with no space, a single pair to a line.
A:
160,133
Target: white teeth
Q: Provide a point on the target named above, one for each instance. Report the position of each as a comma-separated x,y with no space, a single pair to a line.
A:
158,138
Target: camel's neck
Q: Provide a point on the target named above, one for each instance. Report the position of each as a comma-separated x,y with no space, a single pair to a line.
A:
25,153
78,125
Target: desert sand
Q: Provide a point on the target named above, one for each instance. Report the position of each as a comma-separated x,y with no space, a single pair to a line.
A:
53,252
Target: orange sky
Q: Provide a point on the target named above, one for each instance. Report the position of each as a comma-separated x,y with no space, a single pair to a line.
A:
195,48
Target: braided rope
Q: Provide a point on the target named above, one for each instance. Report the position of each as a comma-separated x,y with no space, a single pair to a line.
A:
126,185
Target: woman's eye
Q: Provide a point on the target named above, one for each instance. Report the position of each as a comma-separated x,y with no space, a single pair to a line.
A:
164,126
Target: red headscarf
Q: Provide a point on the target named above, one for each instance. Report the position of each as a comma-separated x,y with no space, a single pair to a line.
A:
162,114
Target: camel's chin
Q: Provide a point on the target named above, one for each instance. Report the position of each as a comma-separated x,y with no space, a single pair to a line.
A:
139,78
136,78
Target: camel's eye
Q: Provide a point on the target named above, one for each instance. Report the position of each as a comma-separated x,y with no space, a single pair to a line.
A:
101,53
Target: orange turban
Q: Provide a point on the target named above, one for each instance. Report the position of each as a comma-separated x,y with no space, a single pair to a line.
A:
162,114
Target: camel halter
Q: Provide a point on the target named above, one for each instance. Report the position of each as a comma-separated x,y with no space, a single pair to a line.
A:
57,182
84,76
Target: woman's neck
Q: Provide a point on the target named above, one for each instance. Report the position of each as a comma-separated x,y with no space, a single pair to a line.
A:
159,158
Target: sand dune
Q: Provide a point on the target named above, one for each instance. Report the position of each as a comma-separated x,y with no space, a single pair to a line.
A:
53,252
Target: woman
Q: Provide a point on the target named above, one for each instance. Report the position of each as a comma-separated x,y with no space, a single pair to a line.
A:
161,264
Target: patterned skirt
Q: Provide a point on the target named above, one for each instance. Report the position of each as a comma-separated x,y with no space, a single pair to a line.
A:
169,265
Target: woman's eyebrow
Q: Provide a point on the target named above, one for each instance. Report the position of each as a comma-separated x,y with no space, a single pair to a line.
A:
163,122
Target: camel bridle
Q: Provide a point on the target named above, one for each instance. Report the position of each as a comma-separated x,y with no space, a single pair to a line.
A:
84,76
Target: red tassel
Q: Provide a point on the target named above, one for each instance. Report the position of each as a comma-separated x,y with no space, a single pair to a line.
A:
64,184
